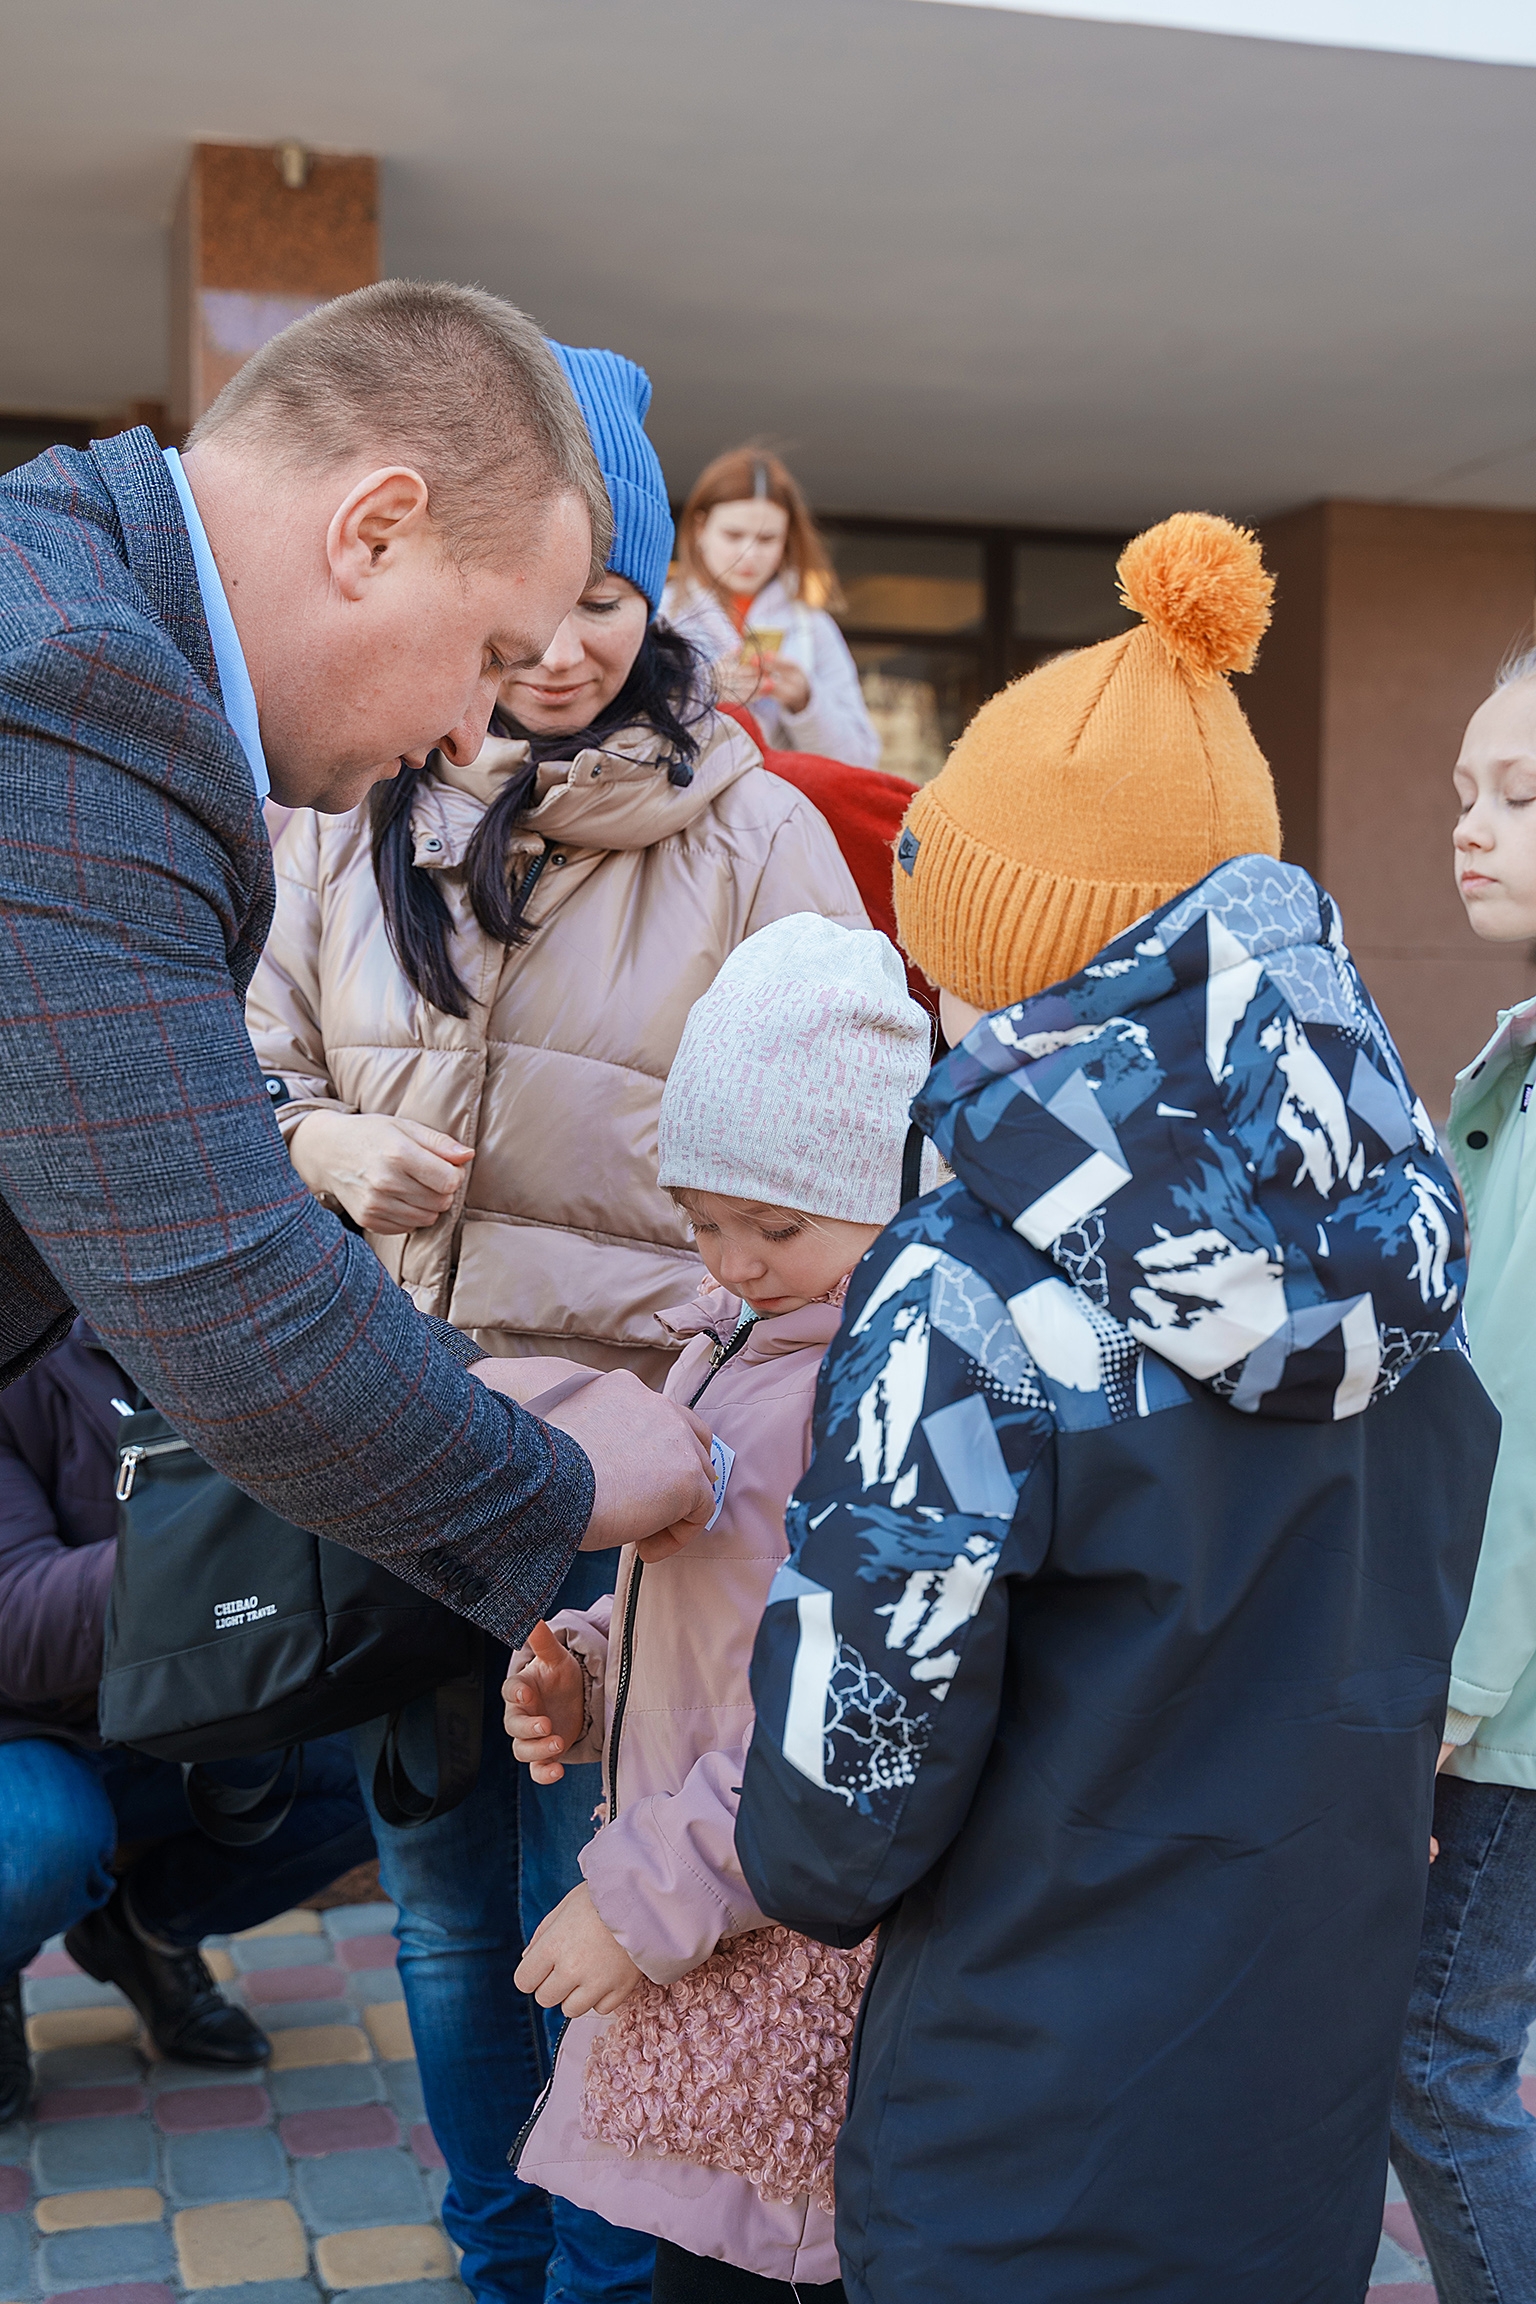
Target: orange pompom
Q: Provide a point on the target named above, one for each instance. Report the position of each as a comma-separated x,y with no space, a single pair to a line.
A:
1200,583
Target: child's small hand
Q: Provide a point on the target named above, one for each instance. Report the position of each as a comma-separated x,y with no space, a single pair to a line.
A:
575,1962
544,1695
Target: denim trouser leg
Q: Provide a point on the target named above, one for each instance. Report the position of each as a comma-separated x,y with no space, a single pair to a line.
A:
186,1887
1462,2143
63,1811
467,1885
57,1833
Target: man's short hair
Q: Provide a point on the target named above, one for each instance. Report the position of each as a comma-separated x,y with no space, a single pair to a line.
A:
456,383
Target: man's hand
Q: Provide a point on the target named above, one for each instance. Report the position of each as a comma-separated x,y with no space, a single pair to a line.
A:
575,1961
545,1697
390,1175
650,1459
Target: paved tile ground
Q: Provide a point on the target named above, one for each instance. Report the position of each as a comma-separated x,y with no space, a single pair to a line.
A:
137,2181
141,2182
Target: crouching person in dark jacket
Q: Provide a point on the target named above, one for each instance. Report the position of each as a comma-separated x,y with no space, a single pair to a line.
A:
1108,1669
66,1805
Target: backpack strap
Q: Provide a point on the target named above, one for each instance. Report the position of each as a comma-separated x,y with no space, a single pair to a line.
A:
226,1812
458,1727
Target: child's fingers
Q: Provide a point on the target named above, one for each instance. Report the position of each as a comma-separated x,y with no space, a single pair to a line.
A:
533,1970
545,1646
545,1755
526,1715
545,1772
557,1989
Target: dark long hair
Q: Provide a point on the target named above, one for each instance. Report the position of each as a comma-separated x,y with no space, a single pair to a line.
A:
663,693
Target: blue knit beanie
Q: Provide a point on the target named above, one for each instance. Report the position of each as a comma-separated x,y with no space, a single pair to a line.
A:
613,395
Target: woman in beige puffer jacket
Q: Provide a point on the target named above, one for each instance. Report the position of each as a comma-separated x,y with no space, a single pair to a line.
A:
557,1239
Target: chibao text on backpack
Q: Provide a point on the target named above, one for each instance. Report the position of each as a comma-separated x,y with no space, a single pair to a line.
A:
231,1632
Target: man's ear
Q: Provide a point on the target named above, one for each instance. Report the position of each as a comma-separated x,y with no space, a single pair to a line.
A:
370,525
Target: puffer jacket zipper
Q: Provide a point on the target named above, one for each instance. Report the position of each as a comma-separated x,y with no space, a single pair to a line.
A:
531,879
621,1690
718,1359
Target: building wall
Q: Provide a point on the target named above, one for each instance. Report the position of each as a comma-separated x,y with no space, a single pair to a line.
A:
1390,621
252,250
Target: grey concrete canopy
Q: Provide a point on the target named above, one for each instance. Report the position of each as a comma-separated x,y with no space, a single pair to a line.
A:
964,261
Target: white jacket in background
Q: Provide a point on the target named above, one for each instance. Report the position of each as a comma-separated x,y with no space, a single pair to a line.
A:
835,722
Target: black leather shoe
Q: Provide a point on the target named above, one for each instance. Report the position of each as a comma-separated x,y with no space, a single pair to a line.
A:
186,2014
15,2063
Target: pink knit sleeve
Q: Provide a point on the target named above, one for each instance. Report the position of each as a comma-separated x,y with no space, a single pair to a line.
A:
664,1874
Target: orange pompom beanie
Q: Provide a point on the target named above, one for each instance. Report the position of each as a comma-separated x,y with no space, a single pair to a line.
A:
1099,786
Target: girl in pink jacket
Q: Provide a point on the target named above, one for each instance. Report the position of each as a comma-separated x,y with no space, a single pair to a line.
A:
699,2085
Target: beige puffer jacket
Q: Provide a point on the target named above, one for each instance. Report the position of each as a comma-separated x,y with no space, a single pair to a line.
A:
560,1241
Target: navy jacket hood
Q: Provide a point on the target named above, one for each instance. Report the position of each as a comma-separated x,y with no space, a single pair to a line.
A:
1209,1132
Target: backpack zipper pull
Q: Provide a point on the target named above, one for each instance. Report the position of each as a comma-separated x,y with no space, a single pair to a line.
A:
130,1458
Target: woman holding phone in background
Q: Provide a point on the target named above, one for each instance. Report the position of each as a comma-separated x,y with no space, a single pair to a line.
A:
751,593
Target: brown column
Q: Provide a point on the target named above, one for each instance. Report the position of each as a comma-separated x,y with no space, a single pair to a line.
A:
262,235
1390,621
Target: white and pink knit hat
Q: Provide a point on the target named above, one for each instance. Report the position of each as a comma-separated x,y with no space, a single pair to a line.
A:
795,1073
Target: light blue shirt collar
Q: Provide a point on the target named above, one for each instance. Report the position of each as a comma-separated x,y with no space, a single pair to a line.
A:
234,680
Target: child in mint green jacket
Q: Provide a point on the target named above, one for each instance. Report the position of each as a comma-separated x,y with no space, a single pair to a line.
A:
1463,2144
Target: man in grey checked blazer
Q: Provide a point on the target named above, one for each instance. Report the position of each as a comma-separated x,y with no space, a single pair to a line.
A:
399,497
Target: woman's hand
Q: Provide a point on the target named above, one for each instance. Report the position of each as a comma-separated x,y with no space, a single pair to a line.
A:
741,679
788,685
390,1175
575,1961
545,1697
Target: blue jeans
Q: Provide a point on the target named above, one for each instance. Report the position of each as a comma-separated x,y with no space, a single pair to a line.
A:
1463,2144
63,1811
472,1886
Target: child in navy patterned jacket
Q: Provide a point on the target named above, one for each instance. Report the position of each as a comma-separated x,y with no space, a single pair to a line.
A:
1107,1669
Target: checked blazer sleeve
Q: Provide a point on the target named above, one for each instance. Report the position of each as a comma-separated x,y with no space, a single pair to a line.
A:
139,1154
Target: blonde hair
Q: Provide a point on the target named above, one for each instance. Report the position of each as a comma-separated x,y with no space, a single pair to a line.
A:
1519,664
735,478
454,382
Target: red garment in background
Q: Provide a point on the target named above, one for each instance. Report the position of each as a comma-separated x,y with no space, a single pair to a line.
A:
864,807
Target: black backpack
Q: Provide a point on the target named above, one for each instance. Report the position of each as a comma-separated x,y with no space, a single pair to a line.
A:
231,1632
